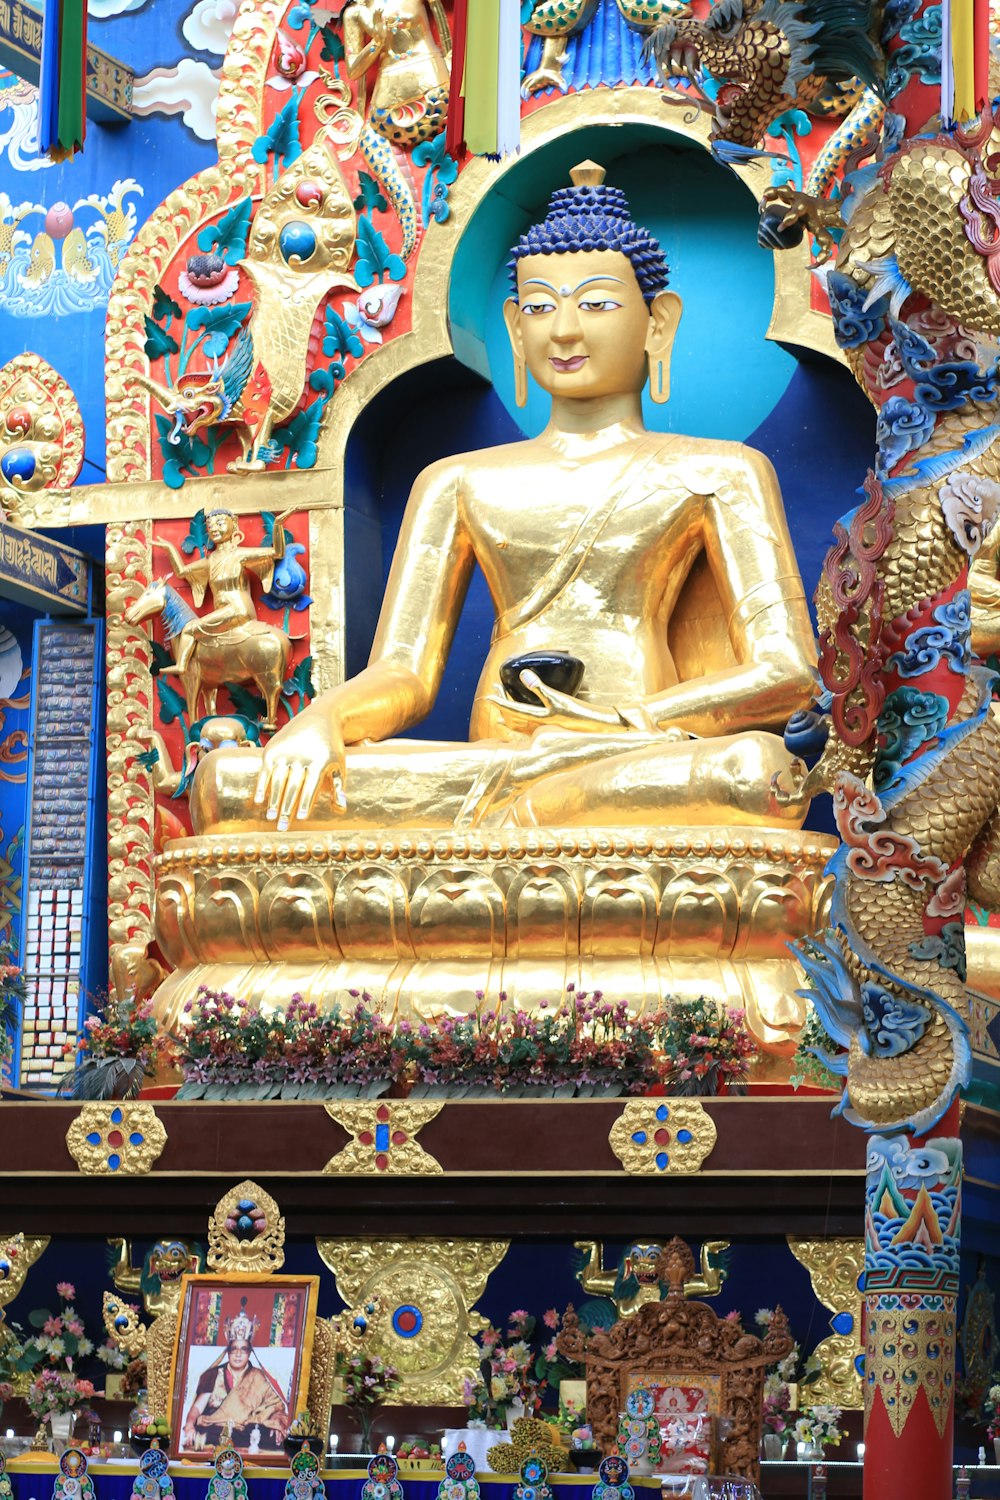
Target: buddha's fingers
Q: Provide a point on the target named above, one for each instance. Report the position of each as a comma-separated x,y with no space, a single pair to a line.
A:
291,795
279,780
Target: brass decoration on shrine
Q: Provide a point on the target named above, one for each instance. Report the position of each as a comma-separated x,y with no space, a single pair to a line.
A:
634,1281
112,1138
675,1338
229,644
653,1136
836,1268
41,430
384,1140
409,98
18,1253
426,1289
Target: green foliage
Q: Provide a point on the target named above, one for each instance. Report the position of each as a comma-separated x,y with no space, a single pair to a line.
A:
340,337
300,436
161,655
299,685
281,139
332,49
228,237
220,323
267,518
197,537
808,1068
375,260
247,702
164,306
187,455
370,199
172,705
159,343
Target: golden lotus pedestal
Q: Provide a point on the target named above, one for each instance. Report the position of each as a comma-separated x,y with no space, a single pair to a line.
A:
422,921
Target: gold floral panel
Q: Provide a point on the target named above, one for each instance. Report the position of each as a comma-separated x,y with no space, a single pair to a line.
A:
658,1136
112,1139
426,1289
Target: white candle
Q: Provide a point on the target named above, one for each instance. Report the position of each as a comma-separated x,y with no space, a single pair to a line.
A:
9,1433
118,1437
334,1440
861,1452
390,1443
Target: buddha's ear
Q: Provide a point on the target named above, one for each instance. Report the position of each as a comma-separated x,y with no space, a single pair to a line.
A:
664,316
511,316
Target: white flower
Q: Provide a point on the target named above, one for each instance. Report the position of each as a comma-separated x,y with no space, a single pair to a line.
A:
763,1316
84,1347
56,1347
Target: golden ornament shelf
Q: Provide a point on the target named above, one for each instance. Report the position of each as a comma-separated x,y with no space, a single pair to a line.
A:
777,1164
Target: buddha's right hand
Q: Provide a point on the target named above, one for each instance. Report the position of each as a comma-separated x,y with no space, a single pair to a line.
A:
298,761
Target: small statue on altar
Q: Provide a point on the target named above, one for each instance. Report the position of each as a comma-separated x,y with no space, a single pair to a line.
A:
586,535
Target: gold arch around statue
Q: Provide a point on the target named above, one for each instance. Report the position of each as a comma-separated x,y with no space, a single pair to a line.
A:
437,1282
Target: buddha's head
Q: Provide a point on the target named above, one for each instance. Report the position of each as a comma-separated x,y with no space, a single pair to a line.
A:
591,316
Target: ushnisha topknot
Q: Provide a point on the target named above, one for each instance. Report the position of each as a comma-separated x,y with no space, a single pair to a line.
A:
591,216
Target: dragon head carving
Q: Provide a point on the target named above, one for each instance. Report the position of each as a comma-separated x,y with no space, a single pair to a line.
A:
769,56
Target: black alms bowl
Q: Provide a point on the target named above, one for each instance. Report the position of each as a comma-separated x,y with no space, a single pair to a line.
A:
557,669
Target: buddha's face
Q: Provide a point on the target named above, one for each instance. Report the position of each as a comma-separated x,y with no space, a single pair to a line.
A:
582,325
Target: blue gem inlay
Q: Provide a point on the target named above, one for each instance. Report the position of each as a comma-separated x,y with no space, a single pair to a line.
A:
136,1138
94,1138
662,1160
842,1323
639,1136
683,1136
114,1162
116,1117
662,1112
381,1137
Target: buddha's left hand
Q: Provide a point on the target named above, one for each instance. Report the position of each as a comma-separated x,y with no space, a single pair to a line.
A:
556,710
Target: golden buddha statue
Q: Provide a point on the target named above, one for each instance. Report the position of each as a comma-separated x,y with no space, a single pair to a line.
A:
590,536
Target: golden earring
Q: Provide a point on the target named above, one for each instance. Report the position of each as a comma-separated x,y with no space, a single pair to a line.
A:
520,381
659,381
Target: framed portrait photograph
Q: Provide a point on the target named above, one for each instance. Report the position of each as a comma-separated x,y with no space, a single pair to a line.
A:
241,1363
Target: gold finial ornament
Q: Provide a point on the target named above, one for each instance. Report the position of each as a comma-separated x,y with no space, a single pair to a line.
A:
587,174
246,1232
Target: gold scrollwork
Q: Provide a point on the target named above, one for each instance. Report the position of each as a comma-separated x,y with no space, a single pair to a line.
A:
835,1267
427,1287
384,1139
119,1139
653,1137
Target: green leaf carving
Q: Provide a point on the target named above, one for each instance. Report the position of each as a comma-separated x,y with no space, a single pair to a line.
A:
159,342
375,259
228,237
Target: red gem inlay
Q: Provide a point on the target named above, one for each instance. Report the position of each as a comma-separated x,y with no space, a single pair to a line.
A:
662,1137
382,1113
381,1162
115,1138
398,1137
366,1138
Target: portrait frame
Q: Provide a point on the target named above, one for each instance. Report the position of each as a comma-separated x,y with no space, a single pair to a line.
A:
281,1312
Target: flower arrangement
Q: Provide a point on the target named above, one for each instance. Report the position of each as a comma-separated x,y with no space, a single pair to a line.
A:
118,1047
232,1048
991,1409
61,1340
709,1050
779,1378
819,1427
520,1366
12,992
368,1382
582,1046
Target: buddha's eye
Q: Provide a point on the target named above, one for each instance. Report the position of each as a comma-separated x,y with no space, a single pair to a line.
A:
604,305
532,309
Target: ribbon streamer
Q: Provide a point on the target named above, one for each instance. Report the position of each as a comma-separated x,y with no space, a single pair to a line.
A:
62,91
